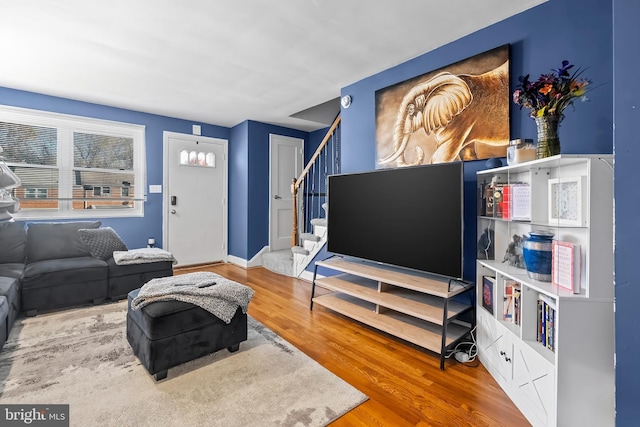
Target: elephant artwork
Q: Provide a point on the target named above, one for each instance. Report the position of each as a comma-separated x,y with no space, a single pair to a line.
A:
447,115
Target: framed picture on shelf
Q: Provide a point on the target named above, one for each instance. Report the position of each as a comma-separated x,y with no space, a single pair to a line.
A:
566,265
565,201
520,202
488,286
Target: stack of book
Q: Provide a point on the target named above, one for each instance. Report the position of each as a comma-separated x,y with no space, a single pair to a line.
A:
507,201
547,322
512,305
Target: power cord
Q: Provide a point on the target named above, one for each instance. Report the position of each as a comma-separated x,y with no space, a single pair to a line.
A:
465,351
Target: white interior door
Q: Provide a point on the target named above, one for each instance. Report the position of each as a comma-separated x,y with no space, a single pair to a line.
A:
195,198
286,163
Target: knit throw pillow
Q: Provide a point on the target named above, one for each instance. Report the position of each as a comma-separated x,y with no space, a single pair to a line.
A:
101,242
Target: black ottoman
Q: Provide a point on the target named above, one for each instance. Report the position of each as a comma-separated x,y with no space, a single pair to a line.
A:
165,334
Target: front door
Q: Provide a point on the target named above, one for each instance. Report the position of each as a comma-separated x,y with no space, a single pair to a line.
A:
285,164
195,198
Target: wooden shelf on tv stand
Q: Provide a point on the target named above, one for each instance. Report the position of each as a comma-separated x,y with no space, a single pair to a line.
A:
411,306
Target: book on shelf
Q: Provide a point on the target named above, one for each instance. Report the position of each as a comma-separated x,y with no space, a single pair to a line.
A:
506,201
482,199
488,286
499,201
489,201
511,295
547,321
517,303
566,265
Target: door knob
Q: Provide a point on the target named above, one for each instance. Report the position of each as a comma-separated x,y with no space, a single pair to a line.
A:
173,211
277,197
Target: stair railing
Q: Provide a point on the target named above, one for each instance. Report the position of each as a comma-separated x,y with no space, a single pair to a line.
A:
313,180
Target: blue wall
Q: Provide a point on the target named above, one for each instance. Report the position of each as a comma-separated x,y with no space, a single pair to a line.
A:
249,192
587,44
540,38
134,231
626,113
239,191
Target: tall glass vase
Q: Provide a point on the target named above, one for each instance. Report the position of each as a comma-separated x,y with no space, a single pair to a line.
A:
548,140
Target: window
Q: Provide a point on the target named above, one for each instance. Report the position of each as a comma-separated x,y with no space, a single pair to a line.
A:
101,191
35,193
197,158
70,164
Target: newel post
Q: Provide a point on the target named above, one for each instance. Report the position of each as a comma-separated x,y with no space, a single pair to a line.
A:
294,232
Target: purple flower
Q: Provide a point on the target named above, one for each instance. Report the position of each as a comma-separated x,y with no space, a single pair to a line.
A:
551,93
564,70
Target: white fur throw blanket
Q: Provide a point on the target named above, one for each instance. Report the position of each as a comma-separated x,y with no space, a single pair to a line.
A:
142,255
212,292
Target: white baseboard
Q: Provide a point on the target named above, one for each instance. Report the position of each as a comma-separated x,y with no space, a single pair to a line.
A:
240,262
307,276
256,261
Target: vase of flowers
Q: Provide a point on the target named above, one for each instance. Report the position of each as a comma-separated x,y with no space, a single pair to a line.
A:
548,140
547,98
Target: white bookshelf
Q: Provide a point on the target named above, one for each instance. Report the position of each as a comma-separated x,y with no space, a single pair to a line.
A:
573,384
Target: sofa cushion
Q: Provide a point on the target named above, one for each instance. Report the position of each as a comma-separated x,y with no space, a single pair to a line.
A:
54,272
56,240
4,319
101,242
9,288
124,278
13,270
116,270
14,239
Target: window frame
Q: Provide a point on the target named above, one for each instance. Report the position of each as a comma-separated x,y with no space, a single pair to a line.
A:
66,125
36,191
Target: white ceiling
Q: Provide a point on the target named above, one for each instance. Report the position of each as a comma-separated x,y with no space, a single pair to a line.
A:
223,62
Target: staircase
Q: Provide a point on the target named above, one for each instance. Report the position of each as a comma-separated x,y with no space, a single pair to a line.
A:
310,244
309,235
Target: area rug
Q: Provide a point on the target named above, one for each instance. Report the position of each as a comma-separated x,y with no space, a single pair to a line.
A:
81,357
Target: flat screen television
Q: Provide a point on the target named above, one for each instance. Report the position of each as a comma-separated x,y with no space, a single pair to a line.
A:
410,217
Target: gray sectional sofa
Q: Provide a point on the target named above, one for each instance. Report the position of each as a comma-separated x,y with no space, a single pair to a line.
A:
49,266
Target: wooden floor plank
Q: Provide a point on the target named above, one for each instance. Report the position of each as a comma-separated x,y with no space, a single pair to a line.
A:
403,381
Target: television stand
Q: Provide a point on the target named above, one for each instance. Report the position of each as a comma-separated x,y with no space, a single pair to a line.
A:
406,304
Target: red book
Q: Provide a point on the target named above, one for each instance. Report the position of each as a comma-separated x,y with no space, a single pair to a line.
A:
506,202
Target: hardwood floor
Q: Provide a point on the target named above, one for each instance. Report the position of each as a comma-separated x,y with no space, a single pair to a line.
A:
404,382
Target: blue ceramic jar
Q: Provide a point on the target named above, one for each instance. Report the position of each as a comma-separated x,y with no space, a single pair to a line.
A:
537,255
